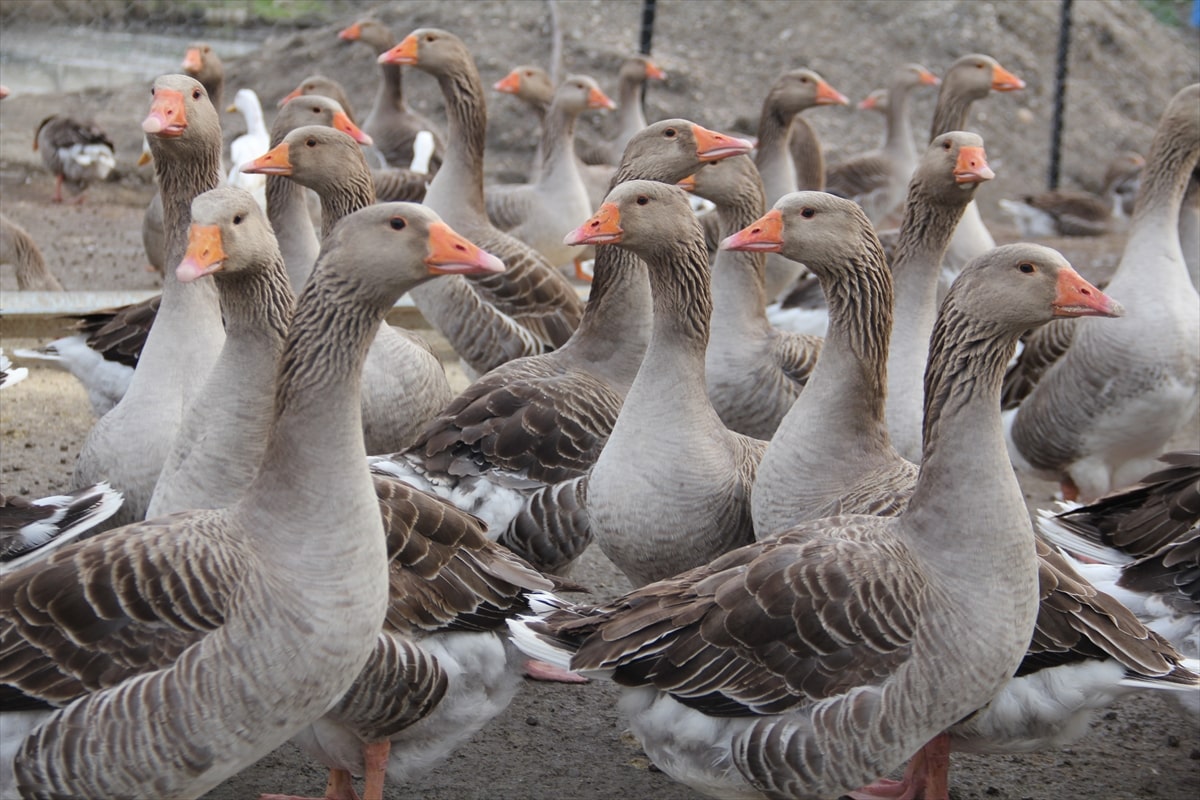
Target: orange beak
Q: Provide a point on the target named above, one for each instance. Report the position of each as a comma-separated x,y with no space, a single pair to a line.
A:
583,271
829,96
972,166
603,227
927,78
713,146
403,53
350,34
510,83
342,123
144,159
1005,81
204,256
192,62
688,184
1078,298
167,117
598,99
867,103
654,72
274,162
292,95
763,236
451,254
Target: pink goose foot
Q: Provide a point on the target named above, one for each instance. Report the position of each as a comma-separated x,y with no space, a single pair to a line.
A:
926,778
542,671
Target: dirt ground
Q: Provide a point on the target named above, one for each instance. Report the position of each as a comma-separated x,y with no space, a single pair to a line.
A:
566,741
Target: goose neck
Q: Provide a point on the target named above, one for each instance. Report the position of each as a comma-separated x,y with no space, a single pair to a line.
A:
459,181
615,329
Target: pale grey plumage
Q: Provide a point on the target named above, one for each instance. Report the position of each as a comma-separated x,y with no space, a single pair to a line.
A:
753,371
668,450
541,213
128,445
830,654
238,680
1110,403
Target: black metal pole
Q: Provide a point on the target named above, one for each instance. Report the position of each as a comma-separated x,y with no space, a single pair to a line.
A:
1060,92
647,26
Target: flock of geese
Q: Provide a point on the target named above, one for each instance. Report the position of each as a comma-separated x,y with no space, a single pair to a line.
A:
835,569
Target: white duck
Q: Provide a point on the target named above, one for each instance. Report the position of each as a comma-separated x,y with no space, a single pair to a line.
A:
250,145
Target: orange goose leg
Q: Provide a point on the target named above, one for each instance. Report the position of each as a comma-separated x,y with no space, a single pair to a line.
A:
340,787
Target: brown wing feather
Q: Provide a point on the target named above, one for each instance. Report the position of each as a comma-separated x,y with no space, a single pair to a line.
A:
1078,622
766,628
445,574
531,417
530,290
100,611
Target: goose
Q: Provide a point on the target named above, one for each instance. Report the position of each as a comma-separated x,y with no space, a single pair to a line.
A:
18,248
29,529
668,450
255,141
287,201
1108,400
842,408
1189,228
220,443
391,123
1064,212
753,371
532,307
809,664
972,77
532,85
10,375
127,446
542,212
631,89
103,351
232,599
76,153
791,93
1142,545
404,384
925,234
510,447
1087,649
878,180
444,574
322,86
201,62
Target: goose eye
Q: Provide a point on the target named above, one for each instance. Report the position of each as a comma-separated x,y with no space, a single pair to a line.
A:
429,37
195,94
152,91
311,142
669,133
398,223
808,213
642,200
1028,269
945,145
237,220
316,110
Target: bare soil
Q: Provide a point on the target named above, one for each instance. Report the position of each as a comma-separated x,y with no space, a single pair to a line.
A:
566,741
